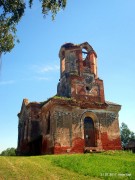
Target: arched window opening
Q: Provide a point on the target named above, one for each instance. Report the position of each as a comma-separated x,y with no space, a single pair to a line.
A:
84,56
89,132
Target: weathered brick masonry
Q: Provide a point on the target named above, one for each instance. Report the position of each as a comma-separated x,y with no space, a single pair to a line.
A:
78,118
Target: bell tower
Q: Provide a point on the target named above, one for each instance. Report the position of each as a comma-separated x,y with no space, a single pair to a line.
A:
78,73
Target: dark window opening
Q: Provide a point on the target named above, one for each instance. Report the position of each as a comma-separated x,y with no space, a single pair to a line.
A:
48,124
87,88
36,146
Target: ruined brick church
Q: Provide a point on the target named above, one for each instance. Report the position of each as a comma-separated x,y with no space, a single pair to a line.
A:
78,118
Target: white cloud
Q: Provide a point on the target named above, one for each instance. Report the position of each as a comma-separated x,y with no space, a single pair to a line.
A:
7,82
37,78
46,68
42,78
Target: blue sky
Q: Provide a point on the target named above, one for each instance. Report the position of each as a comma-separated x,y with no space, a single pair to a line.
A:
31,70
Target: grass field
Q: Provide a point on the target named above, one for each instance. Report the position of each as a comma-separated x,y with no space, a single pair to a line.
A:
107,165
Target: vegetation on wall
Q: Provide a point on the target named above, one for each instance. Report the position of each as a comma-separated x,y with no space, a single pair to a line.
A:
63,98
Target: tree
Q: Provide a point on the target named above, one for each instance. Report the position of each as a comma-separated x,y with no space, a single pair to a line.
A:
9,152
126,134
11,13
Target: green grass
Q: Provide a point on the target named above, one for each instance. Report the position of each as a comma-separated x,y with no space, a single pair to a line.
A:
107,165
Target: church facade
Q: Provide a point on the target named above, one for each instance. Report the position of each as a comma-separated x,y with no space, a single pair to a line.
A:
78,119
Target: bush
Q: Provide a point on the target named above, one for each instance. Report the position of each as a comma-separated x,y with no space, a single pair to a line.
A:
9,152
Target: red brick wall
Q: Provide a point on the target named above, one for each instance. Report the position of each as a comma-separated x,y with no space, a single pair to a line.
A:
114,144
77,147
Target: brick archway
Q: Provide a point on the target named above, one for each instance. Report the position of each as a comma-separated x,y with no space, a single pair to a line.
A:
89,123
89,132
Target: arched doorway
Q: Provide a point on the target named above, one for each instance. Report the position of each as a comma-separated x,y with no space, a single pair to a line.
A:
89,132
